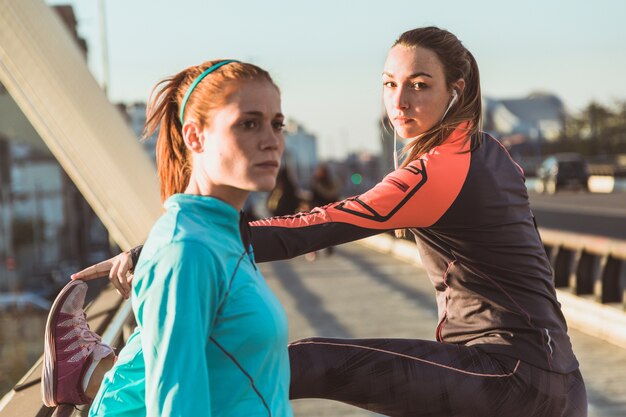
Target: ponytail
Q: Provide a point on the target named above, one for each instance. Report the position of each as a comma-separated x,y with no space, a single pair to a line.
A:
173,164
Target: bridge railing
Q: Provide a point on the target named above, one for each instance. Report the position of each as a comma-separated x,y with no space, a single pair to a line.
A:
587,265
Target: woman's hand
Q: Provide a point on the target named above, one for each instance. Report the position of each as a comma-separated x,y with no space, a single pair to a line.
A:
118,268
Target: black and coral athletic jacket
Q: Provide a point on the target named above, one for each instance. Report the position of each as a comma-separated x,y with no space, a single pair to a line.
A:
477,239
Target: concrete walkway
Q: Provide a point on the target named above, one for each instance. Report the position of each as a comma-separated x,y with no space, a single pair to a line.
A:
358,292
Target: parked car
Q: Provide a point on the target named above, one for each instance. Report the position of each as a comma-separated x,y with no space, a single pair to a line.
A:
564,170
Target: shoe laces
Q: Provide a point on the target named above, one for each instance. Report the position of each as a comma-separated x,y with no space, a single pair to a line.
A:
86,333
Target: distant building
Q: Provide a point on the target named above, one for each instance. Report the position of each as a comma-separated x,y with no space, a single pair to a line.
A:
538,117
47,229
136,116
300,152
66,13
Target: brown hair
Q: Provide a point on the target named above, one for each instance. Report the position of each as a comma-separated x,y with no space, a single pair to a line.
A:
457,63
173,162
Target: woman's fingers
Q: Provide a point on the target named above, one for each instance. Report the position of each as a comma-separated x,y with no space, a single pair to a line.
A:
94,271
118,269
123,272
114,279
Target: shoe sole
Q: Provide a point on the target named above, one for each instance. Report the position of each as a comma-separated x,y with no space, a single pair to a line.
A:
48,372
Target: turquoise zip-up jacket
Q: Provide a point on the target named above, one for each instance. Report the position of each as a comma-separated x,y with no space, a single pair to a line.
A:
211,338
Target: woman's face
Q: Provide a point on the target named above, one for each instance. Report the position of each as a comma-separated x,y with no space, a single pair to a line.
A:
414,90
243,143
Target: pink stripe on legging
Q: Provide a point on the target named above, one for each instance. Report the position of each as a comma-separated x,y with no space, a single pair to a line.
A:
411,358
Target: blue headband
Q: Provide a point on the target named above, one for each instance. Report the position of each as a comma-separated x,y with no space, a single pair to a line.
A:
197,81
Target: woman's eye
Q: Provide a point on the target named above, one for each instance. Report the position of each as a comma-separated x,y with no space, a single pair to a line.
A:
389,84
249,124
278,126
419,85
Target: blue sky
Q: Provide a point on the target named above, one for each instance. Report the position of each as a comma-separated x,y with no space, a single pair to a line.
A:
327,55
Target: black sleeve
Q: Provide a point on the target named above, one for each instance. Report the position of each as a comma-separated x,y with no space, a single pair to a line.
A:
134,255
275,243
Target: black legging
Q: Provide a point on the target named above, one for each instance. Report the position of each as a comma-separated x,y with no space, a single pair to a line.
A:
411,378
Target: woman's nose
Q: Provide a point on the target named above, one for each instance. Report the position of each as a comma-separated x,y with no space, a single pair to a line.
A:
271,140
401,99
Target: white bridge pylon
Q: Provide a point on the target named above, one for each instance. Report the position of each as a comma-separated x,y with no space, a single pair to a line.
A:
47,76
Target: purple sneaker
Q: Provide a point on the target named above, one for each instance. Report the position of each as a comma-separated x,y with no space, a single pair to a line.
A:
70,347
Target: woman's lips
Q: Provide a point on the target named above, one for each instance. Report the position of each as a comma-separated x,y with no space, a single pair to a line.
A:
268,164
402,120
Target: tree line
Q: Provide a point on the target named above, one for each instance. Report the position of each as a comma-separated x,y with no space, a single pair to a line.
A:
599,131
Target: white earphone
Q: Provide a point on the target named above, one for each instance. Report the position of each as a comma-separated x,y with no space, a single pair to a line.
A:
455,97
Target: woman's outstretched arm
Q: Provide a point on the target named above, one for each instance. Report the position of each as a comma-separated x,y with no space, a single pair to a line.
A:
414,196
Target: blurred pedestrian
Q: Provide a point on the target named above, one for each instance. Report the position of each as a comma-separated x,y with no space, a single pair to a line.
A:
284,199
325,189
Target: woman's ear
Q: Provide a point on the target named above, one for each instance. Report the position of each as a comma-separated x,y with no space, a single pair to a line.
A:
459,86
193,137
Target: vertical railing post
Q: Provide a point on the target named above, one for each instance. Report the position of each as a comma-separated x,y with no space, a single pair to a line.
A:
613,286
550,250
563,266
586,273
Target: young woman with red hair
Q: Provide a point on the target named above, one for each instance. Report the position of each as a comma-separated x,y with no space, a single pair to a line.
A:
211,338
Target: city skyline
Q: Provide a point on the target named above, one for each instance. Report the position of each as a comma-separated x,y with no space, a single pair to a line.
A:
327,57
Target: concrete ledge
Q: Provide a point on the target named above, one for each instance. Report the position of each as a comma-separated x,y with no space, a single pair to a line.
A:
401,249
604,321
